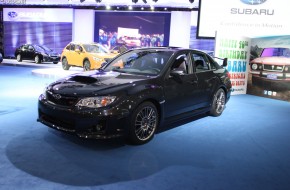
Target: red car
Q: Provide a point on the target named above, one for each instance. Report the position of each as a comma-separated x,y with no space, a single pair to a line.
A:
273,66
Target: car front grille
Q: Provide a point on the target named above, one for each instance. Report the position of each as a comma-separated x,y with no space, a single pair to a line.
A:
61,99
277,68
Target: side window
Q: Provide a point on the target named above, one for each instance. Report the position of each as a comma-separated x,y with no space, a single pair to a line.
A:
30,47
180,65
25,47
79,47
200,62
67,47
72,47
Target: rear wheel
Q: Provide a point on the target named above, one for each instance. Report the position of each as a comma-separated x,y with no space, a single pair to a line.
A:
87,65
65,64
218,103
143,123
19,57
37,59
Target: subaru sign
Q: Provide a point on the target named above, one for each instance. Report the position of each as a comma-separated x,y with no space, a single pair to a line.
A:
12,14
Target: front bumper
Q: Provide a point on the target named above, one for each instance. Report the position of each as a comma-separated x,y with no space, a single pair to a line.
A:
89,123
51,59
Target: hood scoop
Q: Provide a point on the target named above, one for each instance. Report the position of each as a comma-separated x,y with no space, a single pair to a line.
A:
84,79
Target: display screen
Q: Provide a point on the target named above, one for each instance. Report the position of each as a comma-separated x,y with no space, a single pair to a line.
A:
132,29
53,35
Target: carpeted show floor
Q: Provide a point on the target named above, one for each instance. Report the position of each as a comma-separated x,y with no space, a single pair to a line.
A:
247,148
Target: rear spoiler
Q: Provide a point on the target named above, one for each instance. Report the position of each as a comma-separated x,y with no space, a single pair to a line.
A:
225,61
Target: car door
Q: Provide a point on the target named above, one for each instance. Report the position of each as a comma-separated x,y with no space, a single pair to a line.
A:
180,87
30,53
24,51
78,55
206,78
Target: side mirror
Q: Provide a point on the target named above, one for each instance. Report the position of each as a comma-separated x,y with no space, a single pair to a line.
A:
176,75
225,62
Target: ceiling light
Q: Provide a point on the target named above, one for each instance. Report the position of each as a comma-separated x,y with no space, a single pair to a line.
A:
82,1
191,1
108,6
98,1
134,1
155,0
130,7
145,1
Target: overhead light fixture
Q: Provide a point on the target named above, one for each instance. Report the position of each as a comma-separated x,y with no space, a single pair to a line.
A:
82,1
191,1
130,7
155,0
145,1
134,1
98,1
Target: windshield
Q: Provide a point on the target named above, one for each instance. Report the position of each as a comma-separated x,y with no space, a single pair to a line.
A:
140,62
95,48
45,48
280,52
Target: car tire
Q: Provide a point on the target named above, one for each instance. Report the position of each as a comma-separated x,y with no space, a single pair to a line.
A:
143,123
65,64
55,62
19,57
87,65
218,103
37,59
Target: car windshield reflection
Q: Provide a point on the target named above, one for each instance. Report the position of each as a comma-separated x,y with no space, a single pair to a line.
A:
94,48
279,52
141,63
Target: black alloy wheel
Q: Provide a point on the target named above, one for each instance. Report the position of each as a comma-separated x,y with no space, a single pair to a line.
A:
19,57
218,103
144,122
65,64
37,59
87,65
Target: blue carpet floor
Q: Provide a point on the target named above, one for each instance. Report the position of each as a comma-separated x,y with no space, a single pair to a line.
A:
247,148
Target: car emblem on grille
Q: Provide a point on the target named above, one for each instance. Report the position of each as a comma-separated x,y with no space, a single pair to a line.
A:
57,96
253,2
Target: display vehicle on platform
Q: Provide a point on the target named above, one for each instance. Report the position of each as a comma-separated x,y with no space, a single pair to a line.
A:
38,53
136,94
89,56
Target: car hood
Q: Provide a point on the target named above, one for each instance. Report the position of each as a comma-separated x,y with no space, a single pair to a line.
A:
94,83
272,60
103,55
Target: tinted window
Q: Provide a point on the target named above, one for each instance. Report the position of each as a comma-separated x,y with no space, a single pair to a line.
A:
140,62
200,62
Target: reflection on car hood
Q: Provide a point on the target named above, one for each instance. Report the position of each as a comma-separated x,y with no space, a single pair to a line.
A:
94,83
272,60
103,55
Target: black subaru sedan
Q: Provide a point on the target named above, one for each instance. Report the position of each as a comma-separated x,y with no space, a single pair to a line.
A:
38,53
136,93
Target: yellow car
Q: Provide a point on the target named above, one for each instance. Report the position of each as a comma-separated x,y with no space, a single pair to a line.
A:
87,55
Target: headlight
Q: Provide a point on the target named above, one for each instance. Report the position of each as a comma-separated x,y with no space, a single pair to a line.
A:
254,66
97,59
96,102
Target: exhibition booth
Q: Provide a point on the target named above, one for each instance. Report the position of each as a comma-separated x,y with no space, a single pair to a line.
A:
247,147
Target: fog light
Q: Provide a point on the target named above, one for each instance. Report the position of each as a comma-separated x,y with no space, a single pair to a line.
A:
99,127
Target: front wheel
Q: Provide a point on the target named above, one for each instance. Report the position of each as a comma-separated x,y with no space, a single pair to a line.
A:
37,59
218,103
19,57
87,65
65,64
143,123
